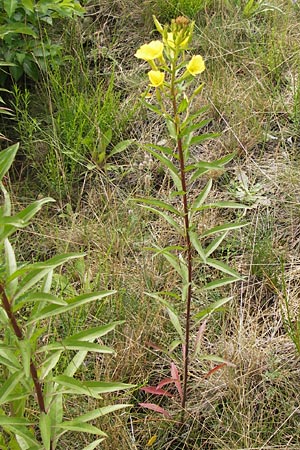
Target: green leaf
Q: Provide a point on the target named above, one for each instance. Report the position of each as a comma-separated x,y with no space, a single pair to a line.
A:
220,282
10,6
70,344
197,246
194,127
174,318
214,358
94,414
25,349
49,364
223,268
38,297
93,445
159,204
31,69
216,306
177,264
168,218
96,332
172,129
183,105
203,137
71,385
229,205
11,267
120,147
173,170
82,428
45,429
80,300
37,271
7,157
161,148
200,199
11,382
215,244
16,28
28,5
11,420
224,227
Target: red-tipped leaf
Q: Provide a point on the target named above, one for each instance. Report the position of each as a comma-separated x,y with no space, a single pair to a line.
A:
157,409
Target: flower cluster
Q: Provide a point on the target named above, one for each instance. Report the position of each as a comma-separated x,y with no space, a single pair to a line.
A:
175,40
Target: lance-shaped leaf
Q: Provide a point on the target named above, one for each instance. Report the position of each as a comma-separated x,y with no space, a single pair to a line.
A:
166,216
223,268
155,390
102,387
45,429
80,300
214,244
96,413
157,409
49,364
7,157
11,267
214,307
172,168
72,344
174,318
216,359
200,199
9,385
220,282
203,137
82,428
194,127
224,227
176,378
93,445
120,147
96,332
159,204
197,246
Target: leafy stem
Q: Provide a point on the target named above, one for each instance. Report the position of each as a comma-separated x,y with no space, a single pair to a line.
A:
187,241
19,334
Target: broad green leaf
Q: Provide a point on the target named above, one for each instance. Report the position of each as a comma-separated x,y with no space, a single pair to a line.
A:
25,349
223,268
45,429
75,363
200,199
174,318
10,6
215,244
120,147
26,435
9,385
220,282
31,69
80,300
28,5
16,28
216,306
93,445
159,204
11,266
70,344
166,216
223,227
7,157
173,170
94,414
197,246
82,428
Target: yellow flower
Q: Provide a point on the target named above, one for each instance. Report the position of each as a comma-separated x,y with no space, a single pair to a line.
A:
196,65
156,77
150,51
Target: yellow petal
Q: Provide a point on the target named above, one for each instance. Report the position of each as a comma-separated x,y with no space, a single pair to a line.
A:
156,77
150,51
196,65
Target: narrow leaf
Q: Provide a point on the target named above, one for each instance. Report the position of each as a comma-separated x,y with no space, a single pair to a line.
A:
200,199
9,385
176,377
224,227
197,246
157,409
223,268
211,309
214,244
96,413
172,168
45,429
159,204
203,137
93,445
218,367
166,216
120,147
219,283
156,391
7,157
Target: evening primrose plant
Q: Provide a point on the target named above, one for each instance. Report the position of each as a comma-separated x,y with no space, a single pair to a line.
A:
171,93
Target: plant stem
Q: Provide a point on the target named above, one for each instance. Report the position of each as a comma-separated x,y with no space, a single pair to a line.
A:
188,244
18,332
